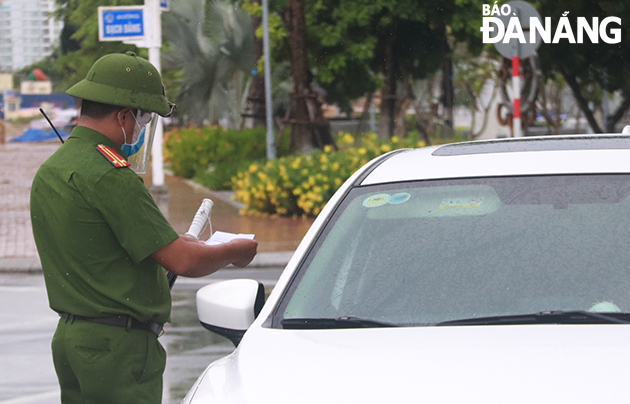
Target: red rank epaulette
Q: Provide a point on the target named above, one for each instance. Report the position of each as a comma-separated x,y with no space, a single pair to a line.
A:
113,157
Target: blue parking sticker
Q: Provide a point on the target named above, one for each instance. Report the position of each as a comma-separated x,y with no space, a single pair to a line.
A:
399,198
376,200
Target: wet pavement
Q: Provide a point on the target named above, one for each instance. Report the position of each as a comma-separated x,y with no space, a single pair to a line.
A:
27,374
272,233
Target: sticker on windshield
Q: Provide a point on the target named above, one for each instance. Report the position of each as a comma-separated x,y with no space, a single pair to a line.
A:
399,198
461,203
376,200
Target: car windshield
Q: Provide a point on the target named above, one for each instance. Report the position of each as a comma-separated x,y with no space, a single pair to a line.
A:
427,252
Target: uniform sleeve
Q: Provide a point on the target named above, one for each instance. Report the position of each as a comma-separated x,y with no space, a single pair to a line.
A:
128,208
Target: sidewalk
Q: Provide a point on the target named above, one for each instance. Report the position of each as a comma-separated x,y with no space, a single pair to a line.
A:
19,164
277,237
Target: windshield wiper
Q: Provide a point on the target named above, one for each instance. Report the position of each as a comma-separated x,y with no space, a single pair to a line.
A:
327,323
546,317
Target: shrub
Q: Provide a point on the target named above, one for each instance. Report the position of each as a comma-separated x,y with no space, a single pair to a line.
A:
212,155
301,185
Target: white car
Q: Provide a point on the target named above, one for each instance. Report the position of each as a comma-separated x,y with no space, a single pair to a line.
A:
480,272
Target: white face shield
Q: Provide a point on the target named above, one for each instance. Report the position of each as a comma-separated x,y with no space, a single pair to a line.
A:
139,151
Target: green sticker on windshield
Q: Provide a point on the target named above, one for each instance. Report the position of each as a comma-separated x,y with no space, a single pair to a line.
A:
376,200
461,203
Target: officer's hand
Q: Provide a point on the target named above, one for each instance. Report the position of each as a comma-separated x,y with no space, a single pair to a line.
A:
191,239
245,251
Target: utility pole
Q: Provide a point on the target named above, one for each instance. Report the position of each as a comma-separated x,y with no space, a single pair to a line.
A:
271,139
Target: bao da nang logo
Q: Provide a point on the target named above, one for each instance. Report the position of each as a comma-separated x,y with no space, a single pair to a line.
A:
502,24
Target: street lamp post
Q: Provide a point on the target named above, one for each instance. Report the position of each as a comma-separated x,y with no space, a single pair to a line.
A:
271,140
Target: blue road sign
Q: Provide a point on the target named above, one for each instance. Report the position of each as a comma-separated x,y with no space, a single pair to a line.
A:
121,24
164,4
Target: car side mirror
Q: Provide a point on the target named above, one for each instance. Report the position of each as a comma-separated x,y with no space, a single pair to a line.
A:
228,308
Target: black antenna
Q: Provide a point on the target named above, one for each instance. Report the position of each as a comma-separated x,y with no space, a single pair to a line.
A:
51,125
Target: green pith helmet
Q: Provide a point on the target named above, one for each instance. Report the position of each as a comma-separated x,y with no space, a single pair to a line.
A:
125,80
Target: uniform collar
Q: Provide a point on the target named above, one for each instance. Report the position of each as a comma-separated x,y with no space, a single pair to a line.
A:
93,136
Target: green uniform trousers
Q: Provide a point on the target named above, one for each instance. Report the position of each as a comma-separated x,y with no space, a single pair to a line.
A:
103,364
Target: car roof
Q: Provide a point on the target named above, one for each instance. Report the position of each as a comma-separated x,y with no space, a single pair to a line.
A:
573,154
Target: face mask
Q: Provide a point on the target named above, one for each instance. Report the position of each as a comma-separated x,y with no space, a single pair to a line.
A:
137,138
131,149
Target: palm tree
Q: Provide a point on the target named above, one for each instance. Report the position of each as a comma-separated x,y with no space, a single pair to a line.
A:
213,44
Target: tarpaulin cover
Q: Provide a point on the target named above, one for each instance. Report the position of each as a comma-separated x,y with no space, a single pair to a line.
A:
38,135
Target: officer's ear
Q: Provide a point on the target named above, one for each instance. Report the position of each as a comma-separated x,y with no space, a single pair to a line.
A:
124,114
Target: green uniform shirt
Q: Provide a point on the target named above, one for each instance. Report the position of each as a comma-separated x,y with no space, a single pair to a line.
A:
95,227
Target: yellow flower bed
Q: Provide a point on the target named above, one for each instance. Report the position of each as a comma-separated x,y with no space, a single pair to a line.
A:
302,185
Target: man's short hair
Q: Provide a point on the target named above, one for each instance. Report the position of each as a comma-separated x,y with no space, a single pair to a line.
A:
97,110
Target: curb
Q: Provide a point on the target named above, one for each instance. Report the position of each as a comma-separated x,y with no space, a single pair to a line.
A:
20,265
32,265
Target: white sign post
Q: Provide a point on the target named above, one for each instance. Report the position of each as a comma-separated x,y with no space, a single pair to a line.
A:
140,26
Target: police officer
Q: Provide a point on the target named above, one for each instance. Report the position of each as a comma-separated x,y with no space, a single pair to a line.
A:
101,240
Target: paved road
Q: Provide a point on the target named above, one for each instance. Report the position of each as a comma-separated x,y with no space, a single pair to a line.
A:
27,324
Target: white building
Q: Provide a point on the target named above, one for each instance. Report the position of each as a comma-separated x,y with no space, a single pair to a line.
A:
28,33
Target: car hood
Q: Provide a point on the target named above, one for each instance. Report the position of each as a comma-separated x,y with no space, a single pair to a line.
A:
463,364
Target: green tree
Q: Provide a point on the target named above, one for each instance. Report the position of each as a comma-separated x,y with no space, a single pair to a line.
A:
356,47
367,44
256,107
309,128
473,74
550,102
589,68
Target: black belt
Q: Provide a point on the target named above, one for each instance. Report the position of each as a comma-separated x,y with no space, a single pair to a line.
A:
119,321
